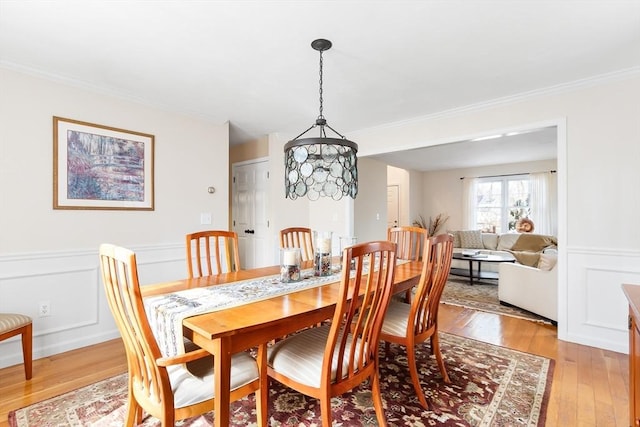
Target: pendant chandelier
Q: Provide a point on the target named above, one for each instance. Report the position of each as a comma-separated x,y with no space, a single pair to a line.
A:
320,166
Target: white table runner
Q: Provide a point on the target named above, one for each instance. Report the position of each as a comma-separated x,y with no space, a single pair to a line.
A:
166,312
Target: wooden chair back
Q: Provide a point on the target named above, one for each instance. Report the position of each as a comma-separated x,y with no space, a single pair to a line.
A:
409,325
298,237
212,252
410,241
435,272
148,383
356,323
150,373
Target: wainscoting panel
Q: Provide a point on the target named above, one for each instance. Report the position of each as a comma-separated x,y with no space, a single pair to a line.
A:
72,285
596,308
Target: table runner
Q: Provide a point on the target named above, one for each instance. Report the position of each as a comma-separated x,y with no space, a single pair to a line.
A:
166,312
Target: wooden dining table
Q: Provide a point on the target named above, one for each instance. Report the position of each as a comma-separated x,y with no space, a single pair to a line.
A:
231,330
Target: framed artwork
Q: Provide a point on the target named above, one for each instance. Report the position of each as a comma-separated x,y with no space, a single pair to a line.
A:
100,167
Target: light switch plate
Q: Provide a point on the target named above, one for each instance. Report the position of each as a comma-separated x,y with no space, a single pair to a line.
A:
205,218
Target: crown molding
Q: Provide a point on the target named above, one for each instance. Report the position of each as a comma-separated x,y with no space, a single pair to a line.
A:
551,90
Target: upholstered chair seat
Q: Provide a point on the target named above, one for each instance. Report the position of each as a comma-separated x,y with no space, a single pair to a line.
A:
196,384
13,324
302,357
396,319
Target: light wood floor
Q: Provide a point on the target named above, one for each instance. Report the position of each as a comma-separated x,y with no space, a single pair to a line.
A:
590,386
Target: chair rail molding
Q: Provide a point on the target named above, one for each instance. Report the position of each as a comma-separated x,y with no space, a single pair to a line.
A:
597,311
70,282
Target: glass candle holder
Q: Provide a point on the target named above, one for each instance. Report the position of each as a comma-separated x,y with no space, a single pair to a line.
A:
322,253
290,259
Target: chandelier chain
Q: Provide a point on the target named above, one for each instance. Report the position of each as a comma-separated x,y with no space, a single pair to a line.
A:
320,116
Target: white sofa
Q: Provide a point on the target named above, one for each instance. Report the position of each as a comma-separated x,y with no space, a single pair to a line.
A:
531,283
530,288
498,244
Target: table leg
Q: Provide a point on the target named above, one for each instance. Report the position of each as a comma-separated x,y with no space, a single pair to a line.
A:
470,272
222,371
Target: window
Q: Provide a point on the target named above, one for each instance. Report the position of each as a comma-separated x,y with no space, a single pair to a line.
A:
501,202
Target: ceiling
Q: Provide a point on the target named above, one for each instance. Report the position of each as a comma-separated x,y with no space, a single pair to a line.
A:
250,62
525,146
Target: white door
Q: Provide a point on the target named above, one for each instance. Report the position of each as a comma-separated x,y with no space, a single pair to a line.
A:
249,206
393,205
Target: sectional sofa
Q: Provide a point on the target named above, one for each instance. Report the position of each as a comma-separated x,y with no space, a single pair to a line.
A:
531,282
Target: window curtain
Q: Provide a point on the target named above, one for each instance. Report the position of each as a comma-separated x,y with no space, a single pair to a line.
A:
544,203
469,195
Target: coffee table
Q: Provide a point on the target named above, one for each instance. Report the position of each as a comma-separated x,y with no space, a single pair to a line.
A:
480,258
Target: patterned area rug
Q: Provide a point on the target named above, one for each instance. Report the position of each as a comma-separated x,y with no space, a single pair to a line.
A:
490,386
484,297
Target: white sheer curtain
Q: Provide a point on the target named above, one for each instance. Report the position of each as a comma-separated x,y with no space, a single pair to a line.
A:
544,204
469,194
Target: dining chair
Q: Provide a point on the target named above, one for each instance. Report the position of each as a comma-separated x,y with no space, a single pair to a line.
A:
168,388
212,252
411,242
332,359
298,237
410,324
13,324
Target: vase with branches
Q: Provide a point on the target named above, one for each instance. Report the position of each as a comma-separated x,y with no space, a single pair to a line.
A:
433,225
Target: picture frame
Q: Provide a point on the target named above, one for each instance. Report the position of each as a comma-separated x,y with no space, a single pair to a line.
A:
101,167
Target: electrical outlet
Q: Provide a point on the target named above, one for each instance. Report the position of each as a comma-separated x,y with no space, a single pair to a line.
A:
44,309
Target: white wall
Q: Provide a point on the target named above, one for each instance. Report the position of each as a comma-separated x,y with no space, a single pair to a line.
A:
598,148
51,255
371,203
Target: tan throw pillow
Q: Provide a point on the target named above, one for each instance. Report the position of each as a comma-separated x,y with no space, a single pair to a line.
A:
471,239
506,241
456,238
547,261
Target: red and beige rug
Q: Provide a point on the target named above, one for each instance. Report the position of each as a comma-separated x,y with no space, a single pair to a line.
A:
490,386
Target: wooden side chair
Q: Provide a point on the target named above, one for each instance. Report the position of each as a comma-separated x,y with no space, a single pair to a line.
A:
409,324
163,386
332,359
298,237
411,242
212,252
11,325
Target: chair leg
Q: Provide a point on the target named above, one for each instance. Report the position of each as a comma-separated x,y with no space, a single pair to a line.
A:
325,410
415,379
133,410
27,350
435,346
262,395
407,296
377,399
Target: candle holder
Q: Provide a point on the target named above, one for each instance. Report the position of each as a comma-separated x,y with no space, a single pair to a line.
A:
322,253
290,259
